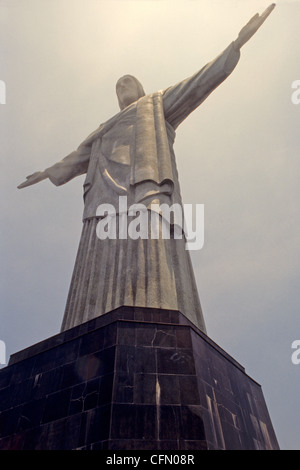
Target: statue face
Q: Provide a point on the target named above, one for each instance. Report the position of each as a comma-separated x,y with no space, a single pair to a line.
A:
127,91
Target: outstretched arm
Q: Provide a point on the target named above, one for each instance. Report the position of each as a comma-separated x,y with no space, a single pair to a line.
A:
75,164
184,97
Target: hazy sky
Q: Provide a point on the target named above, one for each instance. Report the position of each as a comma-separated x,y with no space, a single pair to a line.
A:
238,154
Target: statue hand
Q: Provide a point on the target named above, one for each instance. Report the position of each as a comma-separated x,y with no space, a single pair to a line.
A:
33,179
252,26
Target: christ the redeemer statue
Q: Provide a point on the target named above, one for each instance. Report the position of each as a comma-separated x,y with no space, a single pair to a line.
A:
132,155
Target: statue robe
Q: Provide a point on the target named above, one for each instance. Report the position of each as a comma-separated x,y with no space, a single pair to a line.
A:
132,155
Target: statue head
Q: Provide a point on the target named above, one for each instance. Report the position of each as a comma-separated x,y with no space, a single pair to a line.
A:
129,90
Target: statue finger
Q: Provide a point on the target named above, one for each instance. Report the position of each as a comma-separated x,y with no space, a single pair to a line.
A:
33,174
253,19
269,9
267,12
23,185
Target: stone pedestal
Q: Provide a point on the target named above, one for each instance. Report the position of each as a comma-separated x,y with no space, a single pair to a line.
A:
134,378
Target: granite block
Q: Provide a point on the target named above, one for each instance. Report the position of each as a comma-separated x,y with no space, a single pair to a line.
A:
132,379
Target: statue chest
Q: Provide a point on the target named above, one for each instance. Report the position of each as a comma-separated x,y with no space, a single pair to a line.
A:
117,142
